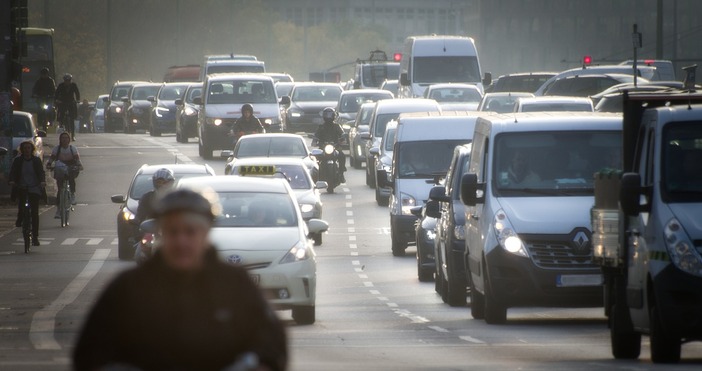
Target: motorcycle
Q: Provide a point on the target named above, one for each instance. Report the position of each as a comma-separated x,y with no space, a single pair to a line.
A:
144,248
327,156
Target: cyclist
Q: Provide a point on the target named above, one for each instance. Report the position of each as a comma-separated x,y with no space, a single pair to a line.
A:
247,123
183,309
68,155
27,175
44,90
67,96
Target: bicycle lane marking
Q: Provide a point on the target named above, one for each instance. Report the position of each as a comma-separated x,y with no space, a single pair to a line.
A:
41,331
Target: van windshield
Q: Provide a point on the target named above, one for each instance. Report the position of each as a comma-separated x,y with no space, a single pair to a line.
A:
241,91
424,159
433,70
682,159
553,163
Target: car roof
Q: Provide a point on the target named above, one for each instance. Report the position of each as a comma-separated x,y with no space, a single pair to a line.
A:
303,84
560,121
179,83
237,184
508,94
22,113
526,74
147,84
177,168
237,76
392,105
128,83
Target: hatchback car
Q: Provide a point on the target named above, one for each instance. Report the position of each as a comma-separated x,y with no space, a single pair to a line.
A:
186,113
163,111
307,100
261,229
127,226
24,129
271,145
137,107
455,97
114,105
357,145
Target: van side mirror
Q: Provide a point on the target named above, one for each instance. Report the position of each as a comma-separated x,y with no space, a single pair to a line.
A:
382,177
106,99
375,151
285,101
118,199
198,101
404,79
178,102
487,79
433,209
630,194
438,194
316,226
469,189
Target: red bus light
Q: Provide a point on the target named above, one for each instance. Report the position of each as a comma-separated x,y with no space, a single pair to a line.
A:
397,57
649,62
587,60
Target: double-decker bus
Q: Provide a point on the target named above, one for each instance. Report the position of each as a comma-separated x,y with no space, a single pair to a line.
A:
39,54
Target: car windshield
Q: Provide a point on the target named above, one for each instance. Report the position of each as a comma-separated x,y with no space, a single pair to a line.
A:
118,92
143,92
682,161
455,95
553,163
554,107
390,86
256,210
295,174
500,104
375,74
527,83
381,121
193,93
352,102
389,139
424,159
463,169
172,92
322,93
241,91
21,127
143,183
251,146
432,70
235,69
283,89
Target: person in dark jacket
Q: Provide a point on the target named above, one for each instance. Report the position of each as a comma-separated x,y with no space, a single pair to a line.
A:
163,179
67,96
247,123
331,132
183,309
27,176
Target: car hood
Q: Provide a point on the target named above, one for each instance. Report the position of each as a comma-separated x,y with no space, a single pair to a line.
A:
140,104
459,106
688,214
548,215
261,110
170,104
313,107
255,239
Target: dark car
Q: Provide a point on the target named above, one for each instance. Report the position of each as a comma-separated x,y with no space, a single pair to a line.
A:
425,231
587,85
163,110
450,231
186,113
307,100
137,107
350,102
357,145
114,105
520,82
127,228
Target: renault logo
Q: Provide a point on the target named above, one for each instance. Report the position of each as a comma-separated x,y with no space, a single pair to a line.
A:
234,259
581,242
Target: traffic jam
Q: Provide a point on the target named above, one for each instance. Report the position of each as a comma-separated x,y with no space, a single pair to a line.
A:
578,191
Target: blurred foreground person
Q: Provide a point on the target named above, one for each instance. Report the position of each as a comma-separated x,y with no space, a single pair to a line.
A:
183,309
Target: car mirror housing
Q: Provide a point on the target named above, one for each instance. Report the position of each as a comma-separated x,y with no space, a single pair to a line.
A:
321,184
118,199
148,226
438,193
317,226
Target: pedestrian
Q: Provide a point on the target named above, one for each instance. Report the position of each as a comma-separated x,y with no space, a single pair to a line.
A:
183,309
27,176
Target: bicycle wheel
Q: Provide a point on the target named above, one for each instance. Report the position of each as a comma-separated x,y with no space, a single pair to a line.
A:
63,204
27,227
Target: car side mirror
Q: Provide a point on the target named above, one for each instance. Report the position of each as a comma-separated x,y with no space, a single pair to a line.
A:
285,101
630,194
226,153
118,199
365,136
41,133
198,101
178,102
375,151
151,99
404,79
433,209
487,79
148,226
321,184
438,193
383,179
106,99
316,152
316,226
469,189
3,151
416,211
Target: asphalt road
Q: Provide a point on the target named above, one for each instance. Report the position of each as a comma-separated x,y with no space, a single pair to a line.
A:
372,313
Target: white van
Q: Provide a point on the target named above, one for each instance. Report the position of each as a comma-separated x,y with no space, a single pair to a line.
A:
428,60
528,194
424,144
212,66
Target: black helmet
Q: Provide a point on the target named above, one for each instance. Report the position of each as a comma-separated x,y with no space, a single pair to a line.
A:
247,107
44,71
188,201
67,77
328,114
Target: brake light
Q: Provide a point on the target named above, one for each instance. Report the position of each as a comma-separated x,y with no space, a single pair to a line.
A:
587,60
397,57
649,62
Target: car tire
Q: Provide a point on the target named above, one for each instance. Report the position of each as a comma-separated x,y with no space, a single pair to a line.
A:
626,344
423,274
317,238
456,291
665,345
200,149
370,177
495,313
380,199
125,251
304,314
477,303
154,132
358,164
398,246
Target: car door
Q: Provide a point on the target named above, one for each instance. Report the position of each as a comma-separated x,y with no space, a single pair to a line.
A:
444,223
474,214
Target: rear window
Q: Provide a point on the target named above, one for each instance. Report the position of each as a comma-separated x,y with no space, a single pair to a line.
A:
235,69
172,92
21,127
143,183
270,147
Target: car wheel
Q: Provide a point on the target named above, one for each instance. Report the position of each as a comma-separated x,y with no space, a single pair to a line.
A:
495,313
665,345
423,274
125,250
455,288
304,314
317,238
398,246
380,199
626,344
200,149
477,303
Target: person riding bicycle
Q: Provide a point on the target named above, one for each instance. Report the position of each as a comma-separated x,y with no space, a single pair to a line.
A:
163,180
44,89
329,132
67,95
247,123
68,155
184,308
27,175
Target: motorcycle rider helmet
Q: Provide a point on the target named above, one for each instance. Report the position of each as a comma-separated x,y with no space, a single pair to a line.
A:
164,174
67,77
187,200
44,71
247,107
328,114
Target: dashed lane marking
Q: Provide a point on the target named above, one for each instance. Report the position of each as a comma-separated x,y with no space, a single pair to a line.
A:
89,241
352,238
363,276
43,241
348,197
353,246
355,262
349,204
368,284
352,230
349,221
391,305
346,189
358,270
374,292
349,213
354,253
471,339
438,329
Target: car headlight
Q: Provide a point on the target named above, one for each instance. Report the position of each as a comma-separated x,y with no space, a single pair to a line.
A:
459,232
407,202
127,215
45,107
217,122
189,111
329,149
506,236
306,208
160,111
297,253
682,252
135,121
118,109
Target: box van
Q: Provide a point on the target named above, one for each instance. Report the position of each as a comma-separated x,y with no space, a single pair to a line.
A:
231,66
528,192
424,144
428,60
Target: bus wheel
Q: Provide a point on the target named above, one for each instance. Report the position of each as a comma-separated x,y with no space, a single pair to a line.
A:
626,344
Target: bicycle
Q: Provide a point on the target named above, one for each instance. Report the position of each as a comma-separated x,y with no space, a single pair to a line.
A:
26,221
66,120
61,174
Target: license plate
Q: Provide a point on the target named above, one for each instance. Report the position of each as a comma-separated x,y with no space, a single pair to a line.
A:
316,120
579,280
255,278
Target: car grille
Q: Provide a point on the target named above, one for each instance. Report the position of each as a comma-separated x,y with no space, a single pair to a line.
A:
256,266
560,254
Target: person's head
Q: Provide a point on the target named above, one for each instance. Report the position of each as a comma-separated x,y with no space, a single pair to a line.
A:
67,77
184,218
519,163
247,110
64,139
163,179
44,72
328,114
27,148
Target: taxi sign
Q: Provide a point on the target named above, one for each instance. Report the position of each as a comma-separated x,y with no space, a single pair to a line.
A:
257,170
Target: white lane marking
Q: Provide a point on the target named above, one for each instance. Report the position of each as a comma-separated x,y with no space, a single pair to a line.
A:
347,190
180,157
89,241
384,230
438,329
43,241
349,213
363,276
412,317
349,204
358,270
391,305
368,284
348,197
41,331
349,221
471,339
352,238
354,253
355,262
353,246
374,292
115,241
383,298
352,230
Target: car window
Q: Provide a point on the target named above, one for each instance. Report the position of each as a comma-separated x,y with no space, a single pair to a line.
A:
143,92
267,146
283,89
296,175
455,95
21,127
256,210
99,104
381,121
364,116
119,92
316,93
389,139
172,92
193,93
424,159
143,183
352,102
241,91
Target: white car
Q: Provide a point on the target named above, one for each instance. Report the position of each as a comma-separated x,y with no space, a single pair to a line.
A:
455,97
554,104
24,129
271,145
261,229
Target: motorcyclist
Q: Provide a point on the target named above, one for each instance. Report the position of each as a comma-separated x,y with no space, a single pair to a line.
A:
44,89
247,123
329,132
67,95
162,180
183,309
